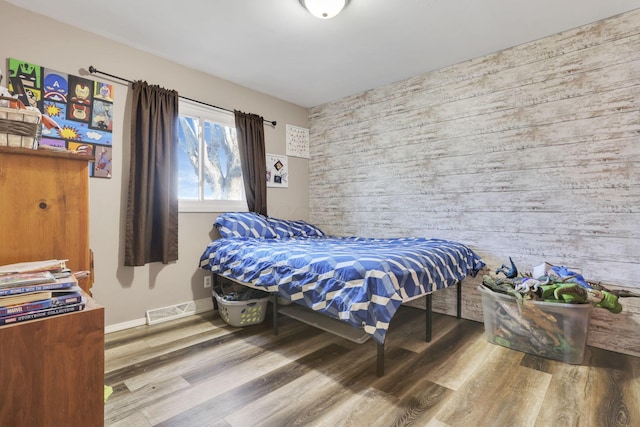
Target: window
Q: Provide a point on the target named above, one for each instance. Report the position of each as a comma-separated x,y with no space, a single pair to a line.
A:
211,182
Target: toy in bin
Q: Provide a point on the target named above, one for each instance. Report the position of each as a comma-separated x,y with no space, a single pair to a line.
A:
547,315
241,306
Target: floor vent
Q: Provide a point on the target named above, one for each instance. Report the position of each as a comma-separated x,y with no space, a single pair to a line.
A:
163,314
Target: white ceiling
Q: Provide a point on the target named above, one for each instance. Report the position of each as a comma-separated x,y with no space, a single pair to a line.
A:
278,48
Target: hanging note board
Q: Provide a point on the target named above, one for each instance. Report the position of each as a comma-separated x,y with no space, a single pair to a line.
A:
297,141
277,171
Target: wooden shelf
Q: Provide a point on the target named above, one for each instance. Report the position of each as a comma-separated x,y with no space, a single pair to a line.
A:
52,369
45,208
48,153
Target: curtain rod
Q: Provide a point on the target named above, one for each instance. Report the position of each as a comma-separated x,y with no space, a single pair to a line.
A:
93,70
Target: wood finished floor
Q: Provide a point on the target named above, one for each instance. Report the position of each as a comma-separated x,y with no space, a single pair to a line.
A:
197,371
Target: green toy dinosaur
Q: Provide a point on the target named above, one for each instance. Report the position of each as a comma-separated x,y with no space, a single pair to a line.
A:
575,293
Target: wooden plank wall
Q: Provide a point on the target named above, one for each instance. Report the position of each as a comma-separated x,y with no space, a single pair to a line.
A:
531,152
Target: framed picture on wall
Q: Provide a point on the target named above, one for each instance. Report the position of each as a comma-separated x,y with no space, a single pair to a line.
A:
297,141
77,112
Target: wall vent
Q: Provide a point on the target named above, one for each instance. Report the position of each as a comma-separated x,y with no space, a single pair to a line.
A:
164,314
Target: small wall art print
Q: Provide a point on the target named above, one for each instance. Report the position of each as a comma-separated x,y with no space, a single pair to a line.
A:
77,113
277,171
297,141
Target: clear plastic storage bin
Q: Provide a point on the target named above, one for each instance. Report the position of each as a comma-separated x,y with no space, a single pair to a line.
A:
552,330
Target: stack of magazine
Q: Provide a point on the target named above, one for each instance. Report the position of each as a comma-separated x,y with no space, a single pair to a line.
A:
33,290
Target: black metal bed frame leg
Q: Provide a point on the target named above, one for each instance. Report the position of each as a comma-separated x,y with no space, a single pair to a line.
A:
380,360
429,311
428,318
459,300
214,280
275,313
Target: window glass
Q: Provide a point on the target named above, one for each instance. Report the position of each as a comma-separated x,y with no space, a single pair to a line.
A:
211,182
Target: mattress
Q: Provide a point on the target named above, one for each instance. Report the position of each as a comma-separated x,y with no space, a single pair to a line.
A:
361,281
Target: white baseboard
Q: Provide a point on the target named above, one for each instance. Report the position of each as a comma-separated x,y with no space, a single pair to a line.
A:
125,325
201,305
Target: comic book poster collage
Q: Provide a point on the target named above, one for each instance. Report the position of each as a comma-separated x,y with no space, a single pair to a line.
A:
77,113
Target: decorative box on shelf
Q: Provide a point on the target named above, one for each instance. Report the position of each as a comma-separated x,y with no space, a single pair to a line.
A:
19,127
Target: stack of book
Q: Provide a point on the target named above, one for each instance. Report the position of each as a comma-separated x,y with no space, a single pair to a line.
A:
33,290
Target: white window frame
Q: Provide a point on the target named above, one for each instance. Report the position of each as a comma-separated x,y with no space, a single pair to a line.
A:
203,112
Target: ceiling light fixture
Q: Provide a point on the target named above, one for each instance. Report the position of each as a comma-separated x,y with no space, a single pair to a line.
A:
324,9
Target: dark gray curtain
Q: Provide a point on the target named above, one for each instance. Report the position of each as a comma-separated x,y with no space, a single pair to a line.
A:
152,205
250,130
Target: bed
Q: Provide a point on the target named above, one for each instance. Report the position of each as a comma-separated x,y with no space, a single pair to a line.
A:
353,280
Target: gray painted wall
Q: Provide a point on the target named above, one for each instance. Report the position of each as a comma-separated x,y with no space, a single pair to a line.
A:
128,292
531,152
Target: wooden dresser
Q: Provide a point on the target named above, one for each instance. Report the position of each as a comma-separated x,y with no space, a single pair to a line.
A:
52,369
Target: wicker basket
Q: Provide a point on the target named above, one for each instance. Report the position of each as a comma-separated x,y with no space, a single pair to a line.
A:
19,127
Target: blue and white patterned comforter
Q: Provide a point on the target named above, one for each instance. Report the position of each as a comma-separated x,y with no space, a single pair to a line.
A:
361,281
